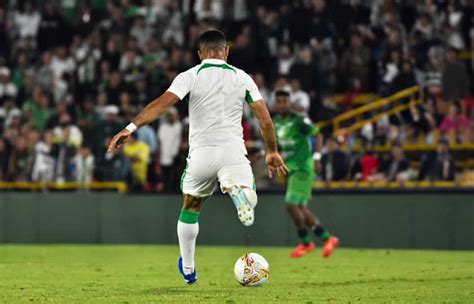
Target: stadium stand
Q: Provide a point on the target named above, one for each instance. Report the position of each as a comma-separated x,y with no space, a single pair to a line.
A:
389,83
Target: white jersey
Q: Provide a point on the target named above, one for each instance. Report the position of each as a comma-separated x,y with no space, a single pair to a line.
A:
217,93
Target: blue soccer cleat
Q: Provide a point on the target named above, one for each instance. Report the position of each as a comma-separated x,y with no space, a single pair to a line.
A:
188,278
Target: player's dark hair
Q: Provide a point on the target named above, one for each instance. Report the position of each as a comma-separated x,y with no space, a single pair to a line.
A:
212,40
282,93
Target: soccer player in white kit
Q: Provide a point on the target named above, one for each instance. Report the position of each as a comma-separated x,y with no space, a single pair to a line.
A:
217,94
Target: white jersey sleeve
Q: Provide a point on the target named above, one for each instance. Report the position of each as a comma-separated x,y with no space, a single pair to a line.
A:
251,90
182,84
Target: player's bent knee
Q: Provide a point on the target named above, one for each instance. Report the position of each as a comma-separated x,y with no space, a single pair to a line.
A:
291,208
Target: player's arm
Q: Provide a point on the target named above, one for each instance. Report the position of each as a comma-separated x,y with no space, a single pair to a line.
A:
319,144
273,159
149,114
317,154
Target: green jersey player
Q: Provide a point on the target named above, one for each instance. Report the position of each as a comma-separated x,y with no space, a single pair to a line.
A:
294,134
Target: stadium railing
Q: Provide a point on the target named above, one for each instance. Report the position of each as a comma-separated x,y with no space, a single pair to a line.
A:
32,186
464,184
357,99
383,107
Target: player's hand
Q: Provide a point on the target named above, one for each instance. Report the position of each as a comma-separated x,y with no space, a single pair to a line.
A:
275,165
118,140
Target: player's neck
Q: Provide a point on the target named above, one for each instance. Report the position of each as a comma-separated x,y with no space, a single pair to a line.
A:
214,58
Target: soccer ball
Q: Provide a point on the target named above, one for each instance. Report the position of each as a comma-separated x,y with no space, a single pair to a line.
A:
251,269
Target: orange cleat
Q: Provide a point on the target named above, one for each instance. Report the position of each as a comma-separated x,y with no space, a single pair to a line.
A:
301,250
329,245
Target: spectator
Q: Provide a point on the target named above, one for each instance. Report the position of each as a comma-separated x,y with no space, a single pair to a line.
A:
7,87
137,153
64,151
396,166
212,9
131,66
390,71
87,119
45,75
405,79
84,165
68,131
169,136
307,72
334,162
111,167
106,128
26,21
20,71
355,63
299,99
19,161
43,166
425,26
87,57
37,109
141,31
62,63
4,157
148,135
455,126
52,30
439,165
367,164
434,66
115,87
455,79
285,60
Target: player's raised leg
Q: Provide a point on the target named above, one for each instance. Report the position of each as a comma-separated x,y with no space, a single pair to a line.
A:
236,179
330,242
245,200
188,230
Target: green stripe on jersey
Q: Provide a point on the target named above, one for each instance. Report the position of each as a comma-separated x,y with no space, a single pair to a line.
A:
212,65
248,97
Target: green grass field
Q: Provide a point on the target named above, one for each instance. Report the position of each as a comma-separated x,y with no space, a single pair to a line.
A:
147,274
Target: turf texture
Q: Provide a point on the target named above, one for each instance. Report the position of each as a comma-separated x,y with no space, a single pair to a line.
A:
147,274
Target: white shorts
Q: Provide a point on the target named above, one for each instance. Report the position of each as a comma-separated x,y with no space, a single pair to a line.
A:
227,164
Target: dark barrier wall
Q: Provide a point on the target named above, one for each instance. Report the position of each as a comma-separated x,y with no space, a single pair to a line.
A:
360,220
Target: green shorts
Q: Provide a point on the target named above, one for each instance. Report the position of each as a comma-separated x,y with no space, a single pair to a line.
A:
300,184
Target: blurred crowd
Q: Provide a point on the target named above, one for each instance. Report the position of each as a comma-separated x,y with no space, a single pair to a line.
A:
74,72
370,166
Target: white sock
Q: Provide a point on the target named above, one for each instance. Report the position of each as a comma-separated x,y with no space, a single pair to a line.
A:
187,234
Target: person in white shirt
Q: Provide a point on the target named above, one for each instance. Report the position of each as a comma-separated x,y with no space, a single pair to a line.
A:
84,165
7,87
300,101
217,94
62,63
27,22
169,136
